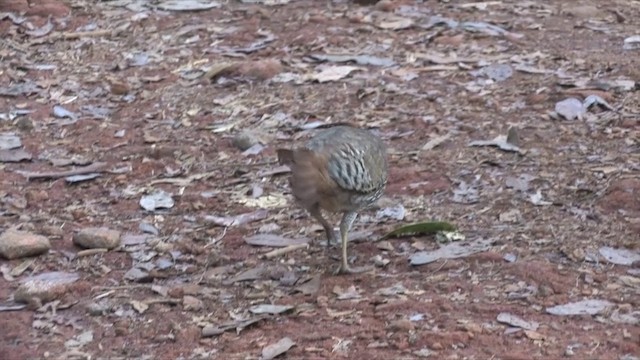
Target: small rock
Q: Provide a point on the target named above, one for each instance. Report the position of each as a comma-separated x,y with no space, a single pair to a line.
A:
395,213
176,292
15,244
254,150
138,275
79,340
44,287
583,307
183,290
289,278
9,141
619,256
191,303
51,231
401,325
94,309
158,199
148,228
582,11
259,69
98,308
24,124
423,353
164,264
274,350
191,289
497,72
269,228
97,238
387,5
13,156
569,352
245,140
570,109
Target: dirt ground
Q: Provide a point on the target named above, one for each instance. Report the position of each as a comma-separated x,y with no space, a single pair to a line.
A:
165,98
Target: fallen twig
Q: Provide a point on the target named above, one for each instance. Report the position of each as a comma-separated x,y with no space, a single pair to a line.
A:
284,250
163,301
121,287
90,252
95,167
72,35
184,181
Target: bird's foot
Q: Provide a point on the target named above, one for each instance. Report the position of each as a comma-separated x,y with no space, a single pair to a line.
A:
346,269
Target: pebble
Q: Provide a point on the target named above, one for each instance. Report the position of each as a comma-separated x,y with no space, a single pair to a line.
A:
24,124
401,325
44,287
191,303
98,309
137,275
15,244
184,290
245,140
95,238
423,353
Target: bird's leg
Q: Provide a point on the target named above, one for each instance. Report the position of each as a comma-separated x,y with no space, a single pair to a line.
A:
328,229
345,225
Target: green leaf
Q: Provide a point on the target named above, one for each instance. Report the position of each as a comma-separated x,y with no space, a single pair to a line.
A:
421,228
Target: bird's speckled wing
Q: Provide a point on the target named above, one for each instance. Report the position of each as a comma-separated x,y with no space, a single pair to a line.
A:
356,158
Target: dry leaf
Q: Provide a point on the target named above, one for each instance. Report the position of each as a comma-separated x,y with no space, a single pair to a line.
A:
333,73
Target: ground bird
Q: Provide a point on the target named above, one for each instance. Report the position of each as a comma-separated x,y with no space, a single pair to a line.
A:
342,169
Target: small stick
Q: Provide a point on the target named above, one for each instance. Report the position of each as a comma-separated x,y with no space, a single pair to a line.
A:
282,251
74,35
121,287
92,33
163,301
95,167
90,252
103,295
184,181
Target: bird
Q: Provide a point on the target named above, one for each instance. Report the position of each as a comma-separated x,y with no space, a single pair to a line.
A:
342,169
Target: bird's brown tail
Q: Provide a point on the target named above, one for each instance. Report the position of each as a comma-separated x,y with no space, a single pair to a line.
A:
310,180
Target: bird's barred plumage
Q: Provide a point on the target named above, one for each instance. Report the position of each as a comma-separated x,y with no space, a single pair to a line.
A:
341,169
357,158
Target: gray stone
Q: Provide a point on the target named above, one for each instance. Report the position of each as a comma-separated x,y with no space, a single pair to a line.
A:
44,287
97,238
245,140
15,244
191,303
